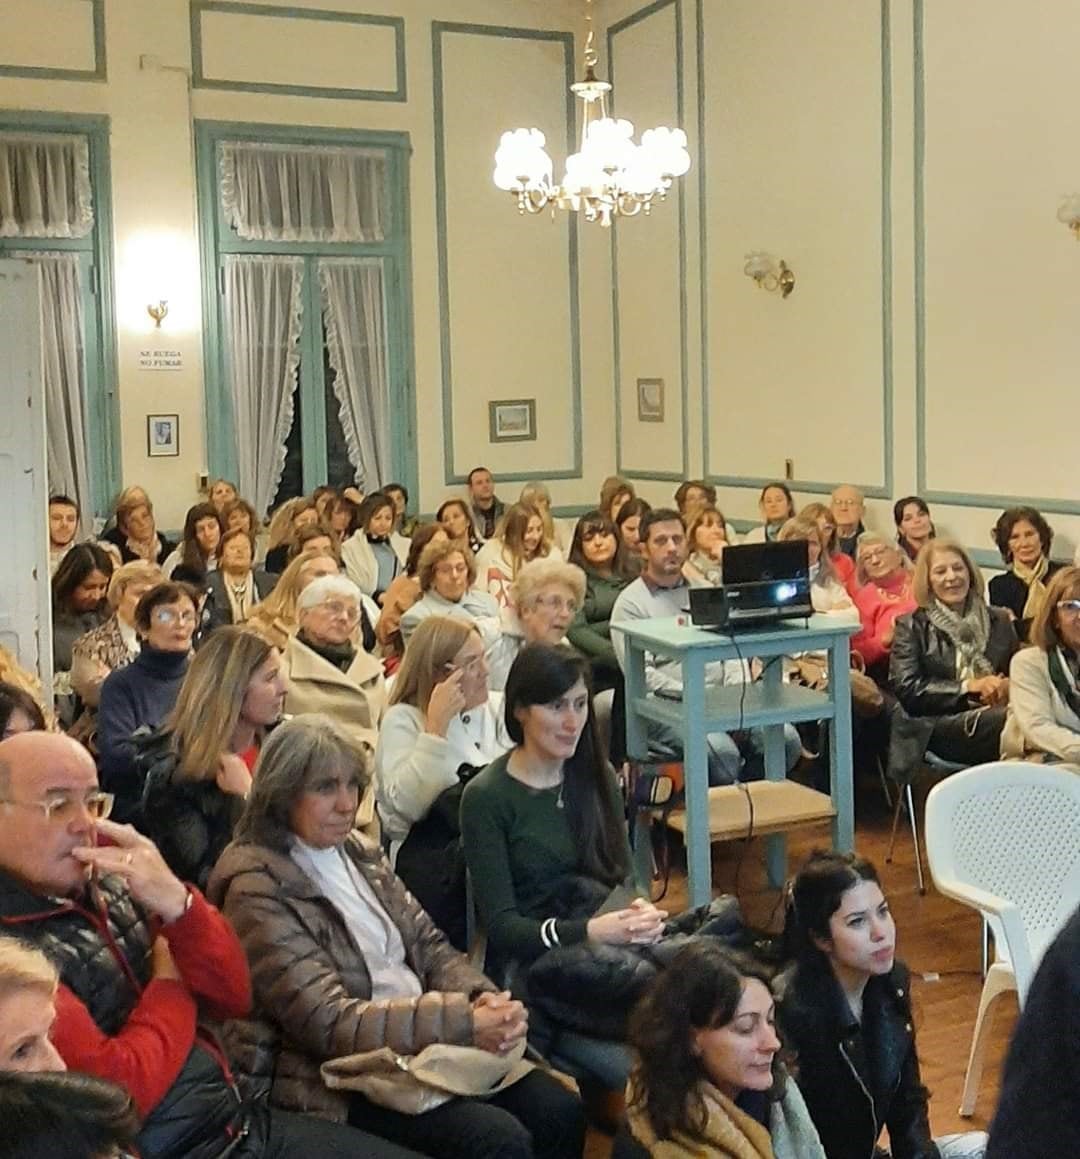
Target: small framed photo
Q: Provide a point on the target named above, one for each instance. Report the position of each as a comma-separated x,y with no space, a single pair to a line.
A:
162,436
650,400
512,420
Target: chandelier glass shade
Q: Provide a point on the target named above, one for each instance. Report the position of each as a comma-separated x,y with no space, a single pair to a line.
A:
609,176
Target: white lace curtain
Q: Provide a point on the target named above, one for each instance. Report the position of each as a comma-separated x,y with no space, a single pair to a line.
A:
354,313
64,374
274,192
262,331
45,186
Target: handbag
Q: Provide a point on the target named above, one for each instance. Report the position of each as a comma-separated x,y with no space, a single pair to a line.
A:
867,699
415,1084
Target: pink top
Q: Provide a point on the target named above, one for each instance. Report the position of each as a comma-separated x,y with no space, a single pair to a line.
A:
879,603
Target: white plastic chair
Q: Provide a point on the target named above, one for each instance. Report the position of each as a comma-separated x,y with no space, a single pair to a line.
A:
1004,838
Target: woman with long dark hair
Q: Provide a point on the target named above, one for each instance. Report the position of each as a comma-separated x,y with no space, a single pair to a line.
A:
708,1081
914,527
845,1009
546,820
78,601
197,553
599,552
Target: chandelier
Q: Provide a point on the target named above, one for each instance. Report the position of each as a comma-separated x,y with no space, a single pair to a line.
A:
610,176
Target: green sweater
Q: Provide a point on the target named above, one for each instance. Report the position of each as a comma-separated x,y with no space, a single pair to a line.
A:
590,633
518,844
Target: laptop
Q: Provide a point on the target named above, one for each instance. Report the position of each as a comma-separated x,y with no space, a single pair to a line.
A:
762,584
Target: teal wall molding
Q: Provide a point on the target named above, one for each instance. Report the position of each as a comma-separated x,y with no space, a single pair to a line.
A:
621,467
98,73
884,489
439,30
216,238
200,81
99,305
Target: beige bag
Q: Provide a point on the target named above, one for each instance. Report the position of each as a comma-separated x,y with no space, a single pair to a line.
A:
413,1084
867,700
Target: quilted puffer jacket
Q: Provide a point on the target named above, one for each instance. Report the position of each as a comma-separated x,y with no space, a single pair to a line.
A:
311,984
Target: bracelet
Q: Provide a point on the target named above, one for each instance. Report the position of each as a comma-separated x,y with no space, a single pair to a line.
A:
187,905
549,933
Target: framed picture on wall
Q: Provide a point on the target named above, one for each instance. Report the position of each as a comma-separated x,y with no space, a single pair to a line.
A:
162,436
512,420
650,400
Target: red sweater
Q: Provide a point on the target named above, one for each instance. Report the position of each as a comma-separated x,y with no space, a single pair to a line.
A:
879,603
147,1054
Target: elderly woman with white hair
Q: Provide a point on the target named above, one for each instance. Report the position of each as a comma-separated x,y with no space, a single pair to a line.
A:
544,599
443,726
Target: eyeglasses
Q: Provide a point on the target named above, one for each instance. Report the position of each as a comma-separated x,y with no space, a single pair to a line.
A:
1069,608
172,616
63,807
845,502
340,611
557,604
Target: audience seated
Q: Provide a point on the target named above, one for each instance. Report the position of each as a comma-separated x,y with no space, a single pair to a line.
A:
221,494
615,493
404,591
141,694
827,593
537,495
236,586
692,495
240,513
706,538
344,960
28,986
111,645
848,508
286,521
326,670
914,527
19,711
628,525
777,507
145,964
521,538
275,617
949,662
544,598
343,517
486,509
598,551
457,523
13,674
375,554
63,528
65,1116
137,536
543,826
661,591
1044,701
1038,1113
447,573
197,774
1023,537
884,593
843,565
845,1012
443,725
708,1078
78,603
197,552
404,524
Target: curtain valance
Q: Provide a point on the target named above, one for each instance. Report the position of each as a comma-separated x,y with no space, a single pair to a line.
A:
45,186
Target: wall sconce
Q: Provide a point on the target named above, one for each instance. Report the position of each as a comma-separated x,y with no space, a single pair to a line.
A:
1069,213
769,274
158,312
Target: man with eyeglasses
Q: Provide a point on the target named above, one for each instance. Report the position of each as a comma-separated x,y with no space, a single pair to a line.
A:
848,508
143,958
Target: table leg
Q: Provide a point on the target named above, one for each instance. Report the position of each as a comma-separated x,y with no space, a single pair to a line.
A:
637,747
775,770
696,777
841,786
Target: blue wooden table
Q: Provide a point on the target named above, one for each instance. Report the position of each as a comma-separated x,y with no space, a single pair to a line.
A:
768,703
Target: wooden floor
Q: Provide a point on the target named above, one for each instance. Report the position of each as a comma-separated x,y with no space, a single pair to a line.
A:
935,936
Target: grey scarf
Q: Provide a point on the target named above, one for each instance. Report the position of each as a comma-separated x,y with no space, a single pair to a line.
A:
969,634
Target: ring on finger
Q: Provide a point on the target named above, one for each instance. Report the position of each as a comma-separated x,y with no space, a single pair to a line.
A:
129,858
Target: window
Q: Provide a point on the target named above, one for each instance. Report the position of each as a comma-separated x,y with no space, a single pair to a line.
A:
307,320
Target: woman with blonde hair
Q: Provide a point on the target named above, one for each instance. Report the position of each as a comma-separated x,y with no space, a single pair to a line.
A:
275,616
950,661
706,538
198,772
138,537
843,565
536,494
28,986
521,538
285,522
442,726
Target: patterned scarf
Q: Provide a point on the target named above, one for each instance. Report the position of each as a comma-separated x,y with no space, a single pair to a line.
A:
969,634
1033,577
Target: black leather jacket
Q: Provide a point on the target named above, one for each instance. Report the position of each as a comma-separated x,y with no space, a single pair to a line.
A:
922,665
857,1078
